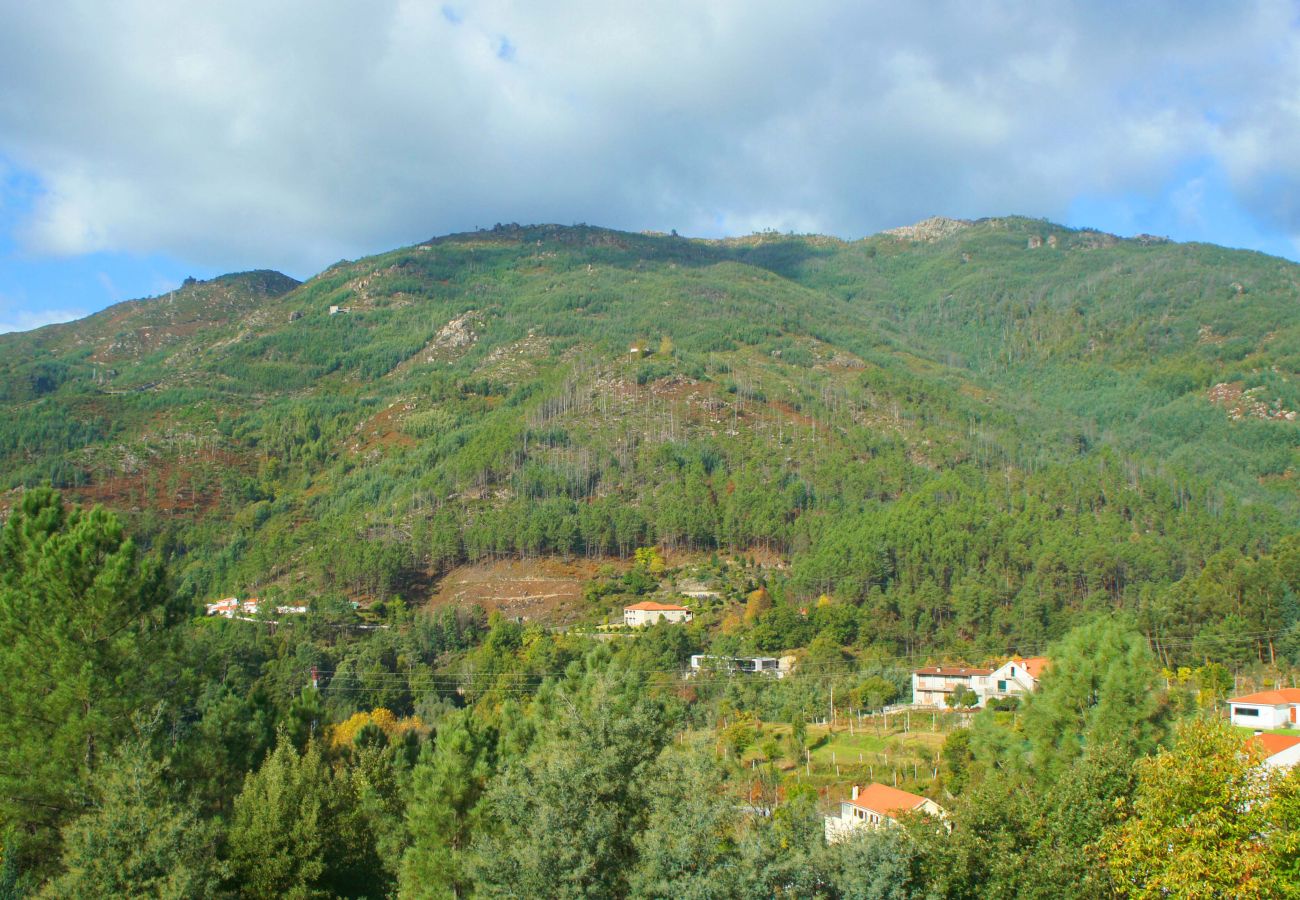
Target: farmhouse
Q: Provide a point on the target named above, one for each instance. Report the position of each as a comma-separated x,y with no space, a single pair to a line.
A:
1283,750
1014,677
933,685
1266,709
876,806
647,612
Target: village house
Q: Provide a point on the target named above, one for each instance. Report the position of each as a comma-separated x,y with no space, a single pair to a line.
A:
760,665
1283,750
876,806
1013,678
647,612
1266,709
232,608
933,685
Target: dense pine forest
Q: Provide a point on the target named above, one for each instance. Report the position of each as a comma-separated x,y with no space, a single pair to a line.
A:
953,443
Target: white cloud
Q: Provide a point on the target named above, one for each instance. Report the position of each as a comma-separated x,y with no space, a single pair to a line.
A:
291,134
19,320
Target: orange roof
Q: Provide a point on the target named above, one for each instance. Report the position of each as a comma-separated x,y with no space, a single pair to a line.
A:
1270,698
651,606
1274,744
1034,665
888,801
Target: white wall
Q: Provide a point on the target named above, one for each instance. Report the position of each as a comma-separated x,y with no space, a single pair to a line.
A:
1267,716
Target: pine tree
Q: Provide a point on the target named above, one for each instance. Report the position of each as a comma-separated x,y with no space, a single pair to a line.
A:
137,840
84,642
448,784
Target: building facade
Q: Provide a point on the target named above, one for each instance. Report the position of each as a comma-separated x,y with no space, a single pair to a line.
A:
876,806
648,612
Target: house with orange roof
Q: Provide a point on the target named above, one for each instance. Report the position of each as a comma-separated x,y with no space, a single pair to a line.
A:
647,612
932,685
1282,750
1014,677
1265,709
877,806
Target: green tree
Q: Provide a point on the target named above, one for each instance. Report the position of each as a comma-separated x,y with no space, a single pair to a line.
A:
688,846
443,812
84,643
1196,824
1102,687
137,840
298,831
563,819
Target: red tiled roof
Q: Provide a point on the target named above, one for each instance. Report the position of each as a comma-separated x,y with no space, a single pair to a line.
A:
651,606
1270,698
1034,665
888,801
1274,744
952,670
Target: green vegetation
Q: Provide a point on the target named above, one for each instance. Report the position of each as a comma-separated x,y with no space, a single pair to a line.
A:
1016,439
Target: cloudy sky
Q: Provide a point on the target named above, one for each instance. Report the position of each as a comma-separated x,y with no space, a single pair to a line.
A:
145,140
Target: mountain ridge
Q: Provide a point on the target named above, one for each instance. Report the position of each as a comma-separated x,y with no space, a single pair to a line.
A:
571,390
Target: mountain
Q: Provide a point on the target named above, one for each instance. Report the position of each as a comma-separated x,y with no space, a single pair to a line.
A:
977,429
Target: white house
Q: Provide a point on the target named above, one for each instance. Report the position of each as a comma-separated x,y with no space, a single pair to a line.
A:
232,608
761,665
1014,677
1266,709
933,685
1283,750
647,612
876,806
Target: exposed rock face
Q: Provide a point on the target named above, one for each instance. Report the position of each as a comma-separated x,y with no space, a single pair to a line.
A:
1242,404
458,333
927,231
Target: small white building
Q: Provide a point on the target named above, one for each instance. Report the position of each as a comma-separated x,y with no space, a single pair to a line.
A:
876,806
1266,709
759,665
647,612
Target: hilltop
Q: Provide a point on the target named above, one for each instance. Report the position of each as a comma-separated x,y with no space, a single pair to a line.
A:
914,421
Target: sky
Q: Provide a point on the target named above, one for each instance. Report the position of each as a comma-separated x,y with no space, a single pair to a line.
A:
144,141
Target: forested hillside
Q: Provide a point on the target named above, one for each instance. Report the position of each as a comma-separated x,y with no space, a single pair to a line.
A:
969,432
446,469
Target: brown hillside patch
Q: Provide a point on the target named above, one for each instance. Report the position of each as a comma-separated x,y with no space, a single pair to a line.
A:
548,591
383,431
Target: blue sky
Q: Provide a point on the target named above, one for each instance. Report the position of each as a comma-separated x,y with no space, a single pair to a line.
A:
145,141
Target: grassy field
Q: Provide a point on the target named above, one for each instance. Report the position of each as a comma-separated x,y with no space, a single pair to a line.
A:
904,753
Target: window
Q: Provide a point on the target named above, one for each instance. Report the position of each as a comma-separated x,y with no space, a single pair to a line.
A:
1002,685
1246,711
1013,671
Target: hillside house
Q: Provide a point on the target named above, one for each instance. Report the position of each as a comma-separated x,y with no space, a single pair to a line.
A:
933,685
758,665
876,806
1266,709
1283,750
233,608
647,612
1013,678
